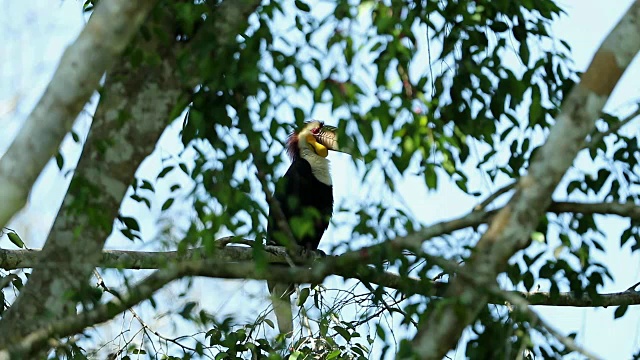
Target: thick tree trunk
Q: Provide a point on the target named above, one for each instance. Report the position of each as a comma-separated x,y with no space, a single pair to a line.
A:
134,109
82,65
132,113
511,228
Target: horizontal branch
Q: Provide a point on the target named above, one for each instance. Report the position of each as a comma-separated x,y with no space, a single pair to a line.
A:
138,260
147,287
314,273
243,256
627,209
628,297
235,261
17,259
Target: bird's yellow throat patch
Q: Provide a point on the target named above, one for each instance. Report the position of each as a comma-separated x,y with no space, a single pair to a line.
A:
320,149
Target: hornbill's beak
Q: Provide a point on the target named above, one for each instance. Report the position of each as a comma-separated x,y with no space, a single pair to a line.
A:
321,138
327,137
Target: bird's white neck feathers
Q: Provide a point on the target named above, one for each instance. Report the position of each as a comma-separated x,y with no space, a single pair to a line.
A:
319,164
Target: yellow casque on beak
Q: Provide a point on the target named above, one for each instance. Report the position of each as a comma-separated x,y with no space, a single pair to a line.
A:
320,149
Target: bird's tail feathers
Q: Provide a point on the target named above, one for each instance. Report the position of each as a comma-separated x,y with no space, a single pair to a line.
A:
281,299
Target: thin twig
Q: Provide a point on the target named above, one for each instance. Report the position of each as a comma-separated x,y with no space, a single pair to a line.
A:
523,305
143,324
633,287
598,137
494,196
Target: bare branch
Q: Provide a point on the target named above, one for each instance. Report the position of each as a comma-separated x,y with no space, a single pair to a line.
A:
109,30
510,229
143,324
135,108
315,273
278,255
523,306
495,195
227,256
627,297
413,241
22,346
598,137
627,209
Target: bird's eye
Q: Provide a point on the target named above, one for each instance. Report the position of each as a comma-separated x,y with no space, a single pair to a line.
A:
316,131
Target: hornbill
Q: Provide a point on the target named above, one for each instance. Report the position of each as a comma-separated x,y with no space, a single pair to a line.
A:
305,196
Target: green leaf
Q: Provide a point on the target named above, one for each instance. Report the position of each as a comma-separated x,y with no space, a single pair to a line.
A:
75,137
380,332
536,114
524,53
130,223
270,323
620,311
528,280
187,309
139,198
17,282
304,294
165,171
302,6
538,237
334,354
167,204
147,185
499,26
299,115
295,355
430,177
59,160
343,332
15,240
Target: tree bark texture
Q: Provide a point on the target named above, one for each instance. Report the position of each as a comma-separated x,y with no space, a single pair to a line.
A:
107,33
134,109
510,229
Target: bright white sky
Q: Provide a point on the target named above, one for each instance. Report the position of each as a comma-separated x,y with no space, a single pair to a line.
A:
34,34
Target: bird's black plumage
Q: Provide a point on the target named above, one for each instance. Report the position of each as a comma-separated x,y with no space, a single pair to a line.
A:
301,195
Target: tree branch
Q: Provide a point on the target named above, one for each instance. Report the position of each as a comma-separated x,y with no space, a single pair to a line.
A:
222,256
249,270
598,137
133,112
627,297
495,195
21,346
626,209
522,305
134,109
18,259
510,229
18,346
107,33
315,273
